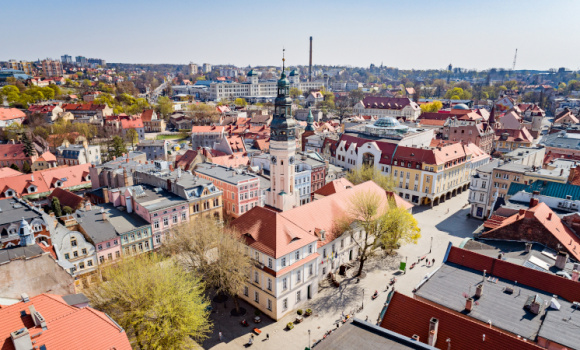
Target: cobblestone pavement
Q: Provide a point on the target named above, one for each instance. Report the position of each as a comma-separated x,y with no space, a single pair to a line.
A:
445,223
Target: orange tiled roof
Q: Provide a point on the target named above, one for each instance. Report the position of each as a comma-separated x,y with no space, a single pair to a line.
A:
554,225
66,198
8,172
68,327
233,160
334,186
11,113
132,123
408,316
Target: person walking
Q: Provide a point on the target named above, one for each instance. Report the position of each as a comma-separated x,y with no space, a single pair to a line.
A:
221,336
267,336
433,261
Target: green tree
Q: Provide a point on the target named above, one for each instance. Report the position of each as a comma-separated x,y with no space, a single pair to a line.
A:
368,173
213,252
117,147
157,302
369,223
240,102
15,167
434,106
14,131
295,92
26,168
67,210
133,136
400,227
164,105
56,207
29,150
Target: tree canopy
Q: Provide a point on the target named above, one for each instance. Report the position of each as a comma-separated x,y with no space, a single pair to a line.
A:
367,173
117,147
434,106
157,302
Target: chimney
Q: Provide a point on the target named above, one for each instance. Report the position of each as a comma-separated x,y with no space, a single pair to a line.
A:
31,177
433,329
103,214
550,216
561,259
561,172
24,297
575,275
37,317
572,172
469,304
88,206
528,247
114,157
534,202
169,185
106,194
522,212
21,339
535,307
479,291
415,337
125,178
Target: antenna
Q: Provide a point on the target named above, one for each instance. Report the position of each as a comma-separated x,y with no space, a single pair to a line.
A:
515,57
283,58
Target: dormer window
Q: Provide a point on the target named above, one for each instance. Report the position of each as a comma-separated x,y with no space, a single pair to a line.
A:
31,189
9,193
37,227
322,235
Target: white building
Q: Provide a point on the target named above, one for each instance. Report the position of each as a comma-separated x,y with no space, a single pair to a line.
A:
480,190
388,107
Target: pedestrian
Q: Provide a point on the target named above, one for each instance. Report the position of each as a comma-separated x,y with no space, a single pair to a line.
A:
433,261
221,336
267,336
367,319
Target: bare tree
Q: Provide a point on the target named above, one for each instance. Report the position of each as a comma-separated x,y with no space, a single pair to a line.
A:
213,252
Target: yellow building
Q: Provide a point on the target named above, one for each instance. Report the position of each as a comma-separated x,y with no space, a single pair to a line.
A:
431,176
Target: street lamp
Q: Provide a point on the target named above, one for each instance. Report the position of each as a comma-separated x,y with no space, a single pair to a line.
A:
431,246
308,340
363,300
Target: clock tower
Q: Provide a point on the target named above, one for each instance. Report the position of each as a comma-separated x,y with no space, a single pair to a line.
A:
282,194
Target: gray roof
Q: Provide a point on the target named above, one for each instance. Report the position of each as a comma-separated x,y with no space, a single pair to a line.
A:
117,223
558,140
363,335
13,253
75,299
448,285
232,176
515,167
156,199
488,168
12,210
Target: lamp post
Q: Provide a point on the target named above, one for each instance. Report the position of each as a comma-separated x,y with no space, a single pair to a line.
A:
308,340
431,246
363,300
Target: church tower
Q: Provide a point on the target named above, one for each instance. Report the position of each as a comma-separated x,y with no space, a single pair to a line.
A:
26,234
282,194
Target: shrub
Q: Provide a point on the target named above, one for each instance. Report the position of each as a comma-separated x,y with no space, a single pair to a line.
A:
299,311
309,311
290,325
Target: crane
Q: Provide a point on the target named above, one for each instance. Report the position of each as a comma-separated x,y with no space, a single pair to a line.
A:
515,57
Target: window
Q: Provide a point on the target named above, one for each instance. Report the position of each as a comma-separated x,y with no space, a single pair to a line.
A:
483,184
481,197
66,256
158,239
76,254
269,284
183,216
285,304
269,307
324,253
73,242
175,219
156,224
416,177
246,291
341,243
298,276
396,171
310,270
256,297
285,284
84,250
257,256
165,221
100,247
256,277
297,255
297,296
270,262
283,262
310,249
81,265
101,259
117,254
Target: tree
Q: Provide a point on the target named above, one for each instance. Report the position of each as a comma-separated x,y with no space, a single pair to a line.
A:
118,147
14,131
56,207
371,221
158,303
434,106
240,102
67,210
15,167
367,173
215,253
26,168
295,92
29,150
164,105
133,136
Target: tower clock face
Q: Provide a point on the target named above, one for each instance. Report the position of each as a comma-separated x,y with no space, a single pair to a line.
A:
273,159
291,160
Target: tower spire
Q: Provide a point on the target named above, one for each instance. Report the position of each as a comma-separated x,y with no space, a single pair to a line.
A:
283,58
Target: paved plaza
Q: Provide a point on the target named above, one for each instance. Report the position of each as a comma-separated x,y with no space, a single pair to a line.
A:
445,223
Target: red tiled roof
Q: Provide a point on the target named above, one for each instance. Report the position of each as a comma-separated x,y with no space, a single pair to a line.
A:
334,186
236,143
67,326
132,123
66,198
186,159
555,226
207,128
47,157
10,152
48,249
432,122
11,113
387,148
553,284
82,107
233,160
8,172
147,115
521,135
408,316
262,144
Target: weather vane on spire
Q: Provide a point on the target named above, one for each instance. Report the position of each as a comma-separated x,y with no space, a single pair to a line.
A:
283,58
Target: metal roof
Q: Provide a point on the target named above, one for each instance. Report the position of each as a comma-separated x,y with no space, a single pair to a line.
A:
547,188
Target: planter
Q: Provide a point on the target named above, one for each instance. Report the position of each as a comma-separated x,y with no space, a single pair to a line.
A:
290,325
308,312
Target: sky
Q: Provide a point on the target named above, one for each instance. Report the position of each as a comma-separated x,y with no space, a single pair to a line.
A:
407,34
